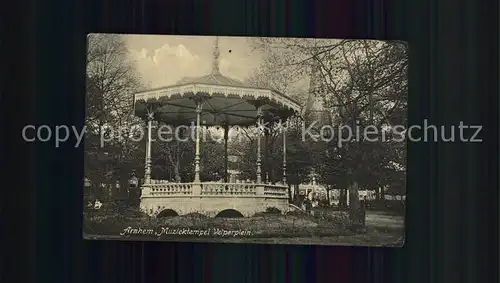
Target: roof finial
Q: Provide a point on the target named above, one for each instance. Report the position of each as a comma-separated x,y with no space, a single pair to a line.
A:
215,63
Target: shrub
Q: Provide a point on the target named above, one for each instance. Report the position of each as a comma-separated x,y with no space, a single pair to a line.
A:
324,203
295,213
270,211
134,212
273,210
196,215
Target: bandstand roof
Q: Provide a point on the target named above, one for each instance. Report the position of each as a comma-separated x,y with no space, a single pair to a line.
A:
226,101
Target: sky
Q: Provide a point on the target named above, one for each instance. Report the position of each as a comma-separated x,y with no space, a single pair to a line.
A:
163,60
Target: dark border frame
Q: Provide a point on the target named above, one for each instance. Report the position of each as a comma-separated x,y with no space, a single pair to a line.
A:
452,221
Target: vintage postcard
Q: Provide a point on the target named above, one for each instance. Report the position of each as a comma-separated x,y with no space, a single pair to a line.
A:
245,140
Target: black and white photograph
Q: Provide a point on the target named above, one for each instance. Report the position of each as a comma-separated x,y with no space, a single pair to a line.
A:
245,140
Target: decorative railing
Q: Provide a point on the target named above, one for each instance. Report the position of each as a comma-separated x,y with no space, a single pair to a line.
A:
163,188
159,187
215,189
275,190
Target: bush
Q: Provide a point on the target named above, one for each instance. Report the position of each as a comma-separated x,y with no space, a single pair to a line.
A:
297,213
269,211
324,203
341,219
273,210
330,215
127,213
196,215
261,214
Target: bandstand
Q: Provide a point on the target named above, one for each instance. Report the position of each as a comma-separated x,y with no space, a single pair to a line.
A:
220,101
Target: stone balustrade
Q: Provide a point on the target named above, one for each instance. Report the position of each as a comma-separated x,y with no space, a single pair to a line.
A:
216,189
159,188
210,198
276,190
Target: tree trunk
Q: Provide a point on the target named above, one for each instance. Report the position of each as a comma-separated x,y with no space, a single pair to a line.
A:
124,183
328,189
343,198
290,197
177,173
356,210
266,156
296,195
271,165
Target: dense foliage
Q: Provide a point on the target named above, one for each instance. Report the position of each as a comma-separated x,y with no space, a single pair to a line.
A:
358,83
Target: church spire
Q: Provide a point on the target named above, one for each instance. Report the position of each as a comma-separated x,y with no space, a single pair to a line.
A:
216,54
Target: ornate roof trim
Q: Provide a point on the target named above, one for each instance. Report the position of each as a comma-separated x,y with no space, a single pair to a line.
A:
242,92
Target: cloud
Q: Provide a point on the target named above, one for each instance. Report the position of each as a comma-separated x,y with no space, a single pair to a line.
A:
163,61
168,64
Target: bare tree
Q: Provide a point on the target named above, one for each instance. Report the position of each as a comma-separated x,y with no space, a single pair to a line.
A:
358,81
112,79
111,82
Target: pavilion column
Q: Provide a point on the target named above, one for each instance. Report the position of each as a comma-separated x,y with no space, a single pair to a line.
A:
147,169
226,138
265,163
197,150
283,128
260,126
